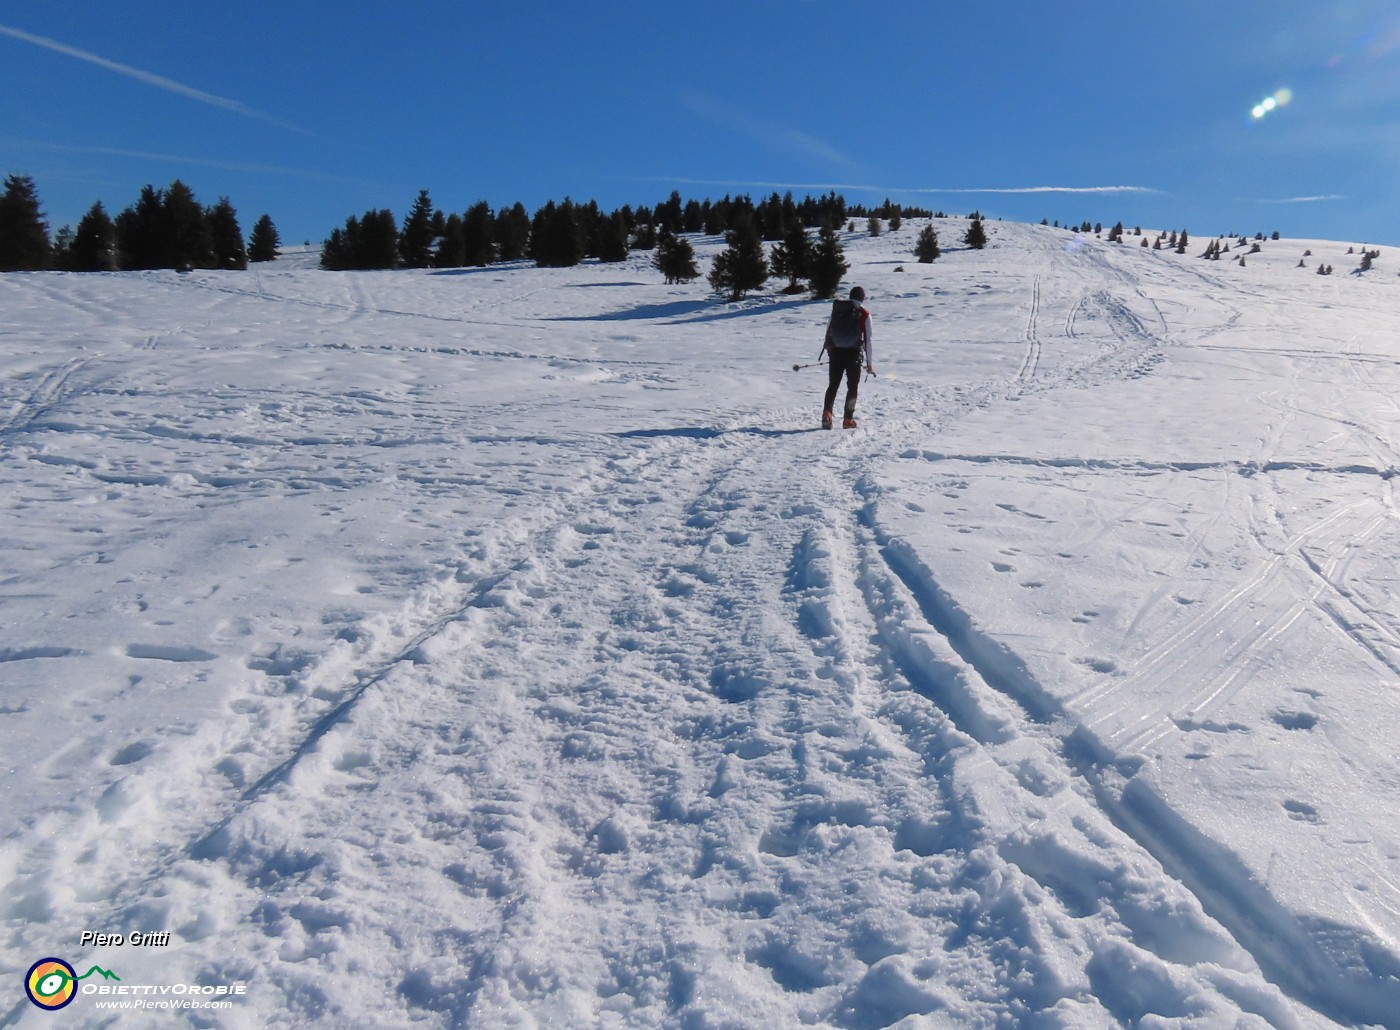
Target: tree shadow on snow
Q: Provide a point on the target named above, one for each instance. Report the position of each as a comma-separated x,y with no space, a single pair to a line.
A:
594,286
496,268
683,312
673,310
709,432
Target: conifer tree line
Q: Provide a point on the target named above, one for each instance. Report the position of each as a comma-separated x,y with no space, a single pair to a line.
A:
163,229
561,234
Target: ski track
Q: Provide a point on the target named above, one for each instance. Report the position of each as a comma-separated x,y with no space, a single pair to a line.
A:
50,391
1031,362
988,695
1038,876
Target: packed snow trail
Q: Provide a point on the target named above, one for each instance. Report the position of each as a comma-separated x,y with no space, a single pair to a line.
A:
513,649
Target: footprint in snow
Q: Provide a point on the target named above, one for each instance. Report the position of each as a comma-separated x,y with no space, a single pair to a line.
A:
132,753
1301,811
1102,665
156,652
1295,720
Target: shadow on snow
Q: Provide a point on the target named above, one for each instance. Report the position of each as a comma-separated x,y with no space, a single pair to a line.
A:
709,432
682,312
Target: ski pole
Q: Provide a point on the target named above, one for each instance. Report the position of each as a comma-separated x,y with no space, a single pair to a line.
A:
820,354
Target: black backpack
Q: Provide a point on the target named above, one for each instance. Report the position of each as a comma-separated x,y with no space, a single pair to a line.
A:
847,323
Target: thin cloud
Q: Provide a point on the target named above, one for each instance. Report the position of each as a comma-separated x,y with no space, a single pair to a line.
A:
893,190
149,78
784,141
1042,189
757,183
231,166
1322,198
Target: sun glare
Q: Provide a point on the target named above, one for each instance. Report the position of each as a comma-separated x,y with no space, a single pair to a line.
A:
1269,104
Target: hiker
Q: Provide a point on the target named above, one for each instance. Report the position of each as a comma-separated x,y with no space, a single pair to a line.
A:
847,341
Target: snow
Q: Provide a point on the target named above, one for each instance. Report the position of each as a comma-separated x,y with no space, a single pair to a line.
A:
507,647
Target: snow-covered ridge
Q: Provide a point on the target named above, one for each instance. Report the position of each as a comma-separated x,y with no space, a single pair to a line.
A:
504,646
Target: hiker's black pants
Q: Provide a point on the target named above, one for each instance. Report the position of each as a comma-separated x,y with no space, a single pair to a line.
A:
845,361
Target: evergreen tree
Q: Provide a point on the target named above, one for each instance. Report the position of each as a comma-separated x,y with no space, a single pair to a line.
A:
415,244
675,258
612,238
378,246
593,226
793,256
873,226
94,246
479,235
264,243
671,214
828,263
226,237
567,240
539,233
976,236
741,208
694,216
556,239
771,219
368,242
338,252
141,242
741,267
61,251
833,207
24,235
512,233
189,239
926,248
451,250
717,221
644,238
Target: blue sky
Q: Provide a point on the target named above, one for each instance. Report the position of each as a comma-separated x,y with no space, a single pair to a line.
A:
1101,110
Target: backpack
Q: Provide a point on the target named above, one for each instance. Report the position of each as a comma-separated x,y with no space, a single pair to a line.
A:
847,323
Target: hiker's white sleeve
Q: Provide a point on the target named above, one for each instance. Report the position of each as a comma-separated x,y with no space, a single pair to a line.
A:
869,340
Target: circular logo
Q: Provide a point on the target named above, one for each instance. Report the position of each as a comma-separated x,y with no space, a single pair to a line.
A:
51,983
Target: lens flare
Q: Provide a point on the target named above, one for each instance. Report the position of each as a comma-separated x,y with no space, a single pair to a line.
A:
1281,98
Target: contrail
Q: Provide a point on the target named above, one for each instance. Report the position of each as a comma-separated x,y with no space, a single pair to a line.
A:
896,189
149,78
1046,189
208,162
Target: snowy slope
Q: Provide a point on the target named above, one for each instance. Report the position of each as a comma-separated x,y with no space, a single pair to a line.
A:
505,648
